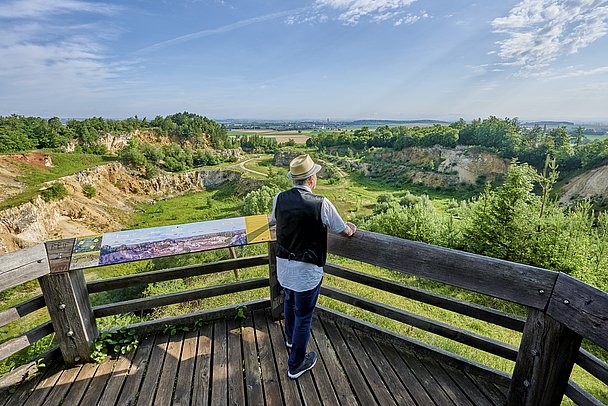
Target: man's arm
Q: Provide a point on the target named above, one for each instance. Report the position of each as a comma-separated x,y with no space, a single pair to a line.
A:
272,220
334,222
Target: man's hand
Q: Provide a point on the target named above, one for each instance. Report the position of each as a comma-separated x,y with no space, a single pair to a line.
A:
350,230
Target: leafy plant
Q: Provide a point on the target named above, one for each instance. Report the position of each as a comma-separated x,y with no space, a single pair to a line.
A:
240,314
89,190
172,329
114,342
56,192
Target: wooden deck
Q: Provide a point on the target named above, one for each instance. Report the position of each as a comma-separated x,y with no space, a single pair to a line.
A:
223,363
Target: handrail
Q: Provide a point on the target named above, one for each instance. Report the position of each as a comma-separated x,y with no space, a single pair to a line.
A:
582,308
23,266
523,284
484,313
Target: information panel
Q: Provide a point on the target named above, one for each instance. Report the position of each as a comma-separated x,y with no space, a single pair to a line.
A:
147,243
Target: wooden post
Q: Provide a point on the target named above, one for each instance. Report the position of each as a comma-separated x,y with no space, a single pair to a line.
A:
67,299
276,293
237,274
545,359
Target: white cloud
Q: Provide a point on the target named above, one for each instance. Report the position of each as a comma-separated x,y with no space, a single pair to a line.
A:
569,72
351,12
225,28
538,32
47,8
410,19
45,60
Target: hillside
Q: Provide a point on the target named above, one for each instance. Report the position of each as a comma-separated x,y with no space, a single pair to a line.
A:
591,185
118,191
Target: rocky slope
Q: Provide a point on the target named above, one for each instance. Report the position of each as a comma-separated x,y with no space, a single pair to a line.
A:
118,190
591,185
436,166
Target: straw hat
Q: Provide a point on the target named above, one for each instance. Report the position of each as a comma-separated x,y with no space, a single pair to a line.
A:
302,167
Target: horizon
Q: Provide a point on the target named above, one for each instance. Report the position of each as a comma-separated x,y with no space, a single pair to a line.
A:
345,120
346,60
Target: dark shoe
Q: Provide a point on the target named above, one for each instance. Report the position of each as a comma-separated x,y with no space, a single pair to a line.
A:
310,359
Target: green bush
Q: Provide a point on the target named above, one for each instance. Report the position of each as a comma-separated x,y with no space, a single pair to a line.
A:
89,190
259,201
151,171
56,192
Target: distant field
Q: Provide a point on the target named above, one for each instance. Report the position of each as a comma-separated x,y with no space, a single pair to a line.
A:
300,137
374,126
597,137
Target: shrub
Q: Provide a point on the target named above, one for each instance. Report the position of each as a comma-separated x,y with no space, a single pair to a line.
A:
89,190
259,201
151,171
56,192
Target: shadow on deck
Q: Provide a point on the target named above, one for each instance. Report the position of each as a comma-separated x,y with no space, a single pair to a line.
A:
223,363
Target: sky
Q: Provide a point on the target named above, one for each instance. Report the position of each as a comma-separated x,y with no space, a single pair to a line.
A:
306,59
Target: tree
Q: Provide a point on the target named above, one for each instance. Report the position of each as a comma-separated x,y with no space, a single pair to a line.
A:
259,201
578,135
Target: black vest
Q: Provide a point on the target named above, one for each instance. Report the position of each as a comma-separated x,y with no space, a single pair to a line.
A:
301,234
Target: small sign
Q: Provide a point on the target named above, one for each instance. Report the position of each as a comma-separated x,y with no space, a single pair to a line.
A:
134,245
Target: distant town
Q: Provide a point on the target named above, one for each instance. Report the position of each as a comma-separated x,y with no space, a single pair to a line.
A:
333,125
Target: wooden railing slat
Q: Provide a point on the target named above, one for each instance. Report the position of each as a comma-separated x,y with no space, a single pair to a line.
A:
582,308
204,315
16,344
175,273
172,298
523,284
580,396
23,266
490,315
445,330
21,310
593,365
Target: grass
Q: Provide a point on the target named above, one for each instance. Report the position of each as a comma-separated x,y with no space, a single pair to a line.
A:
201,206
64,164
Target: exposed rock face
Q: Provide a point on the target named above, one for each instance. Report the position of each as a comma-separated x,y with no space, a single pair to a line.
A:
469,166
592,185
115,142
228,153
437,166
118,190
283,158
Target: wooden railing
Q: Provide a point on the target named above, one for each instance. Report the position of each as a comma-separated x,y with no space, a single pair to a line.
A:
561,310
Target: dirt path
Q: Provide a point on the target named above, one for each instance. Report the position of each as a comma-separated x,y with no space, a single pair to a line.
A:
242,166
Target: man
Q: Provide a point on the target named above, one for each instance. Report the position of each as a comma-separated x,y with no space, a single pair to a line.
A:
302,219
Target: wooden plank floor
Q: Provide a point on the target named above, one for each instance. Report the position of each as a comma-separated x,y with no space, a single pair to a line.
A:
225,363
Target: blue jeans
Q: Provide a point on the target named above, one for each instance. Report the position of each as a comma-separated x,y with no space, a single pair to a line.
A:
298,308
